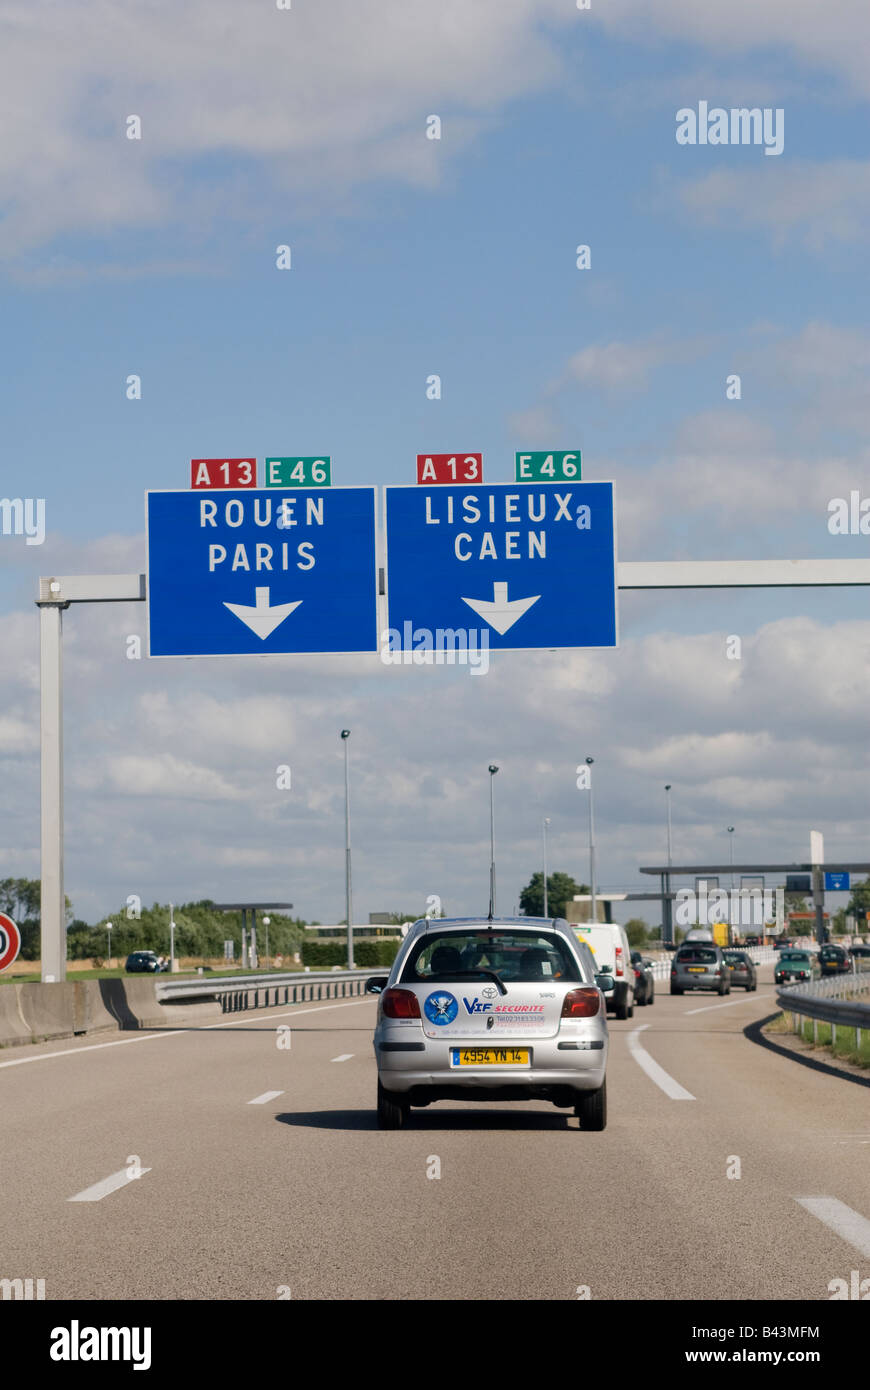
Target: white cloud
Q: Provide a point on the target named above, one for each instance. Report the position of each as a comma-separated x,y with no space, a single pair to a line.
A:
834,37
320,97
625,366
826,203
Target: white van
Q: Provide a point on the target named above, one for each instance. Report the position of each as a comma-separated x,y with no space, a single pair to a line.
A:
609,946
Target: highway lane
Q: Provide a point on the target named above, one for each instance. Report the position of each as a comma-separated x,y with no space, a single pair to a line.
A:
250,1194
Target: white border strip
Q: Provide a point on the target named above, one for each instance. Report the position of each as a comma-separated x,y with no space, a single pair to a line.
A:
666,1083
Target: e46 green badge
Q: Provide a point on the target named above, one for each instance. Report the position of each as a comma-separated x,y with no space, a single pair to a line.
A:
299,472
541,467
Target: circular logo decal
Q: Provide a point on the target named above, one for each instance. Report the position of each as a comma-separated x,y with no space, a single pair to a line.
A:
489,992
440,1008
10,941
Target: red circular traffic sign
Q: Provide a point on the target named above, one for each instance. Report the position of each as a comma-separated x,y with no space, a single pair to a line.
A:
10,941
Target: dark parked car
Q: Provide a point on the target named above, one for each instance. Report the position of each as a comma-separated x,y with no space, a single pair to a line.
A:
644,983
835,960
143,963
742,969
700,966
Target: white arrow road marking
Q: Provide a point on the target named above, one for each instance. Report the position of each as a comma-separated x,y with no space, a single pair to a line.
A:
265,1097
102,1189
846,1223
500,613
260,618
655,1073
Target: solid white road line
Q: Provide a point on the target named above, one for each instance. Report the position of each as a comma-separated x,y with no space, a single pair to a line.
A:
730,1005
850,1225
655,1073
111,1184
345,1057
265,1097
175,1033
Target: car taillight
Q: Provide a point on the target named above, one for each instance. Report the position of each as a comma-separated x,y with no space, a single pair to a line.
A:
636,973
400,1003
619,969
581,1003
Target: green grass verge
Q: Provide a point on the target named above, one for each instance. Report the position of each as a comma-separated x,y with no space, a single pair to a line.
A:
118,972
844,1046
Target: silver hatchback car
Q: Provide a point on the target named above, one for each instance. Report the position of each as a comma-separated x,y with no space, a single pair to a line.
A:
501,1009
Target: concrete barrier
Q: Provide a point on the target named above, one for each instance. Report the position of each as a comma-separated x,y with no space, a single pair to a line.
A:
14,1028
37,1012
48,1009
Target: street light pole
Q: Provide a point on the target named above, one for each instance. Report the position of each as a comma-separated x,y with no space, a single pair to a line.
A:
546,823
266,922
109,930
731,851
492,771
593,908
667,905
171,939
345,735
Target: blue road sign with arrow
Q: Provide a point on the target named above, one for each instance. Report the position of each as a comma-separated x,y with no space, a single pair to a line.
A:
261,571
534,562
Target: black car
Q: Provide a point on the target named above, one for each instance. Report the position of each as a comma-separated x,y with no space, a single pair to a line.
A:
143,963
644,984
835,960
742,969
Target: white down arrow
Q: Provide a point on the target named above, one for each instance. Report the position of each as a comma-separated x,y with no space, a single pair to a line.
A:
498,612
260,618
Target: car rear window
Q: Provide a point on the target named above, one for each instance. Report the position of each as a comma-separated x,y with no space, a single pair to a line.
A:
697,955
739,957
523,956
795,955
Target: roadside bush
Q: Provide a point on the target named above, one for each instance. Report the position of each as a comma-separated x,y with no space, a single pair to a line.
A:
368,952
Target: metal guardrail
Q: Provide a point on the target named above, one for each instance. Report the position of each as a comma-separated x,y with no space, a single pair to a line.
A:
824,1001
236,993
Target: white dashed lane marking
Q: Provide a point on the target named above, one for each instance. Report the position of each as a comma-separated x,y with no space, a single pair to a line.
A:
265,1097
345,1057
850,1225
663,1080
110,1184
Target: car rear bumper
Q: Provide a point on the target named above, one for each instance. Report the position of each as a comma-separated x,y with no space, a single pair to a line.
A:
578,1064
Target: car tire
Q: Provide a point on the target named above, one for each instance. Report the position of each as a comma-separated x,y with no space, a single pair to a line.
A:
675,989
591,1109
630,1009
622,1010
392,1114
652,996
722,991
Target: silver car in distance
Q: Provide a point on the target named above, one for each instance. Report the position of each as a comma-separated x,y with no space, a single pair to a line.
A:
502,1009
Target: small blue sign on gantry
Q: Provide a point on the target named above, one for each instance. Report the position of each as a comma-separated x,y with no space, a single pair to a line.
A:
261,571
837,883
535,562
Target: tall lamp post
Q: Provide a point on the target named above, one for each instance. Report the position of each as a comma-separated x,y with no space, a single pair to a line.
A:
266,922
667,909
109,931
731,851
544,828
593,907
345,735
492,771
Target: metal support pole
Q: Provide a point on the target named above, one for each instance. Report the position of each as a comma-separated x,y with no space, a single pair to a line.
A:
254,958
244,938
348,886
546,899
52,901
593,906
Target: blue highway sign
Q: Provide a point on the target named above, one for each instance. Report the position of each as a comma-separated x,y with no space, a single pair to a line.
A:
261,571
836,883
533,563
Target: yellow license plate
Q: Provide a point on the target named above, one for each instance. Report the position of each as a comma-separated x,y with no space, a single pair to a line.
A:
489,1056
697,969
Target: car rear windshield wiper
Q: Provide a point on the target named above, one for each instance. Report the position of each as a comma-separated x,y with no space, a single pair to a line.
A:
469,975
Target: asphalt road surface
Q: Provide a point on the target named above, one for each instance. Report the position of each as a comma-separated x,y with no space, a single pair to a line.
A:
263,1174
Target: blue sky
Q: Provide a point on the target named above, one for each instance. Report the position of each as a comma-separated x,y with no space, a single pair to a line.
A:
456,257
